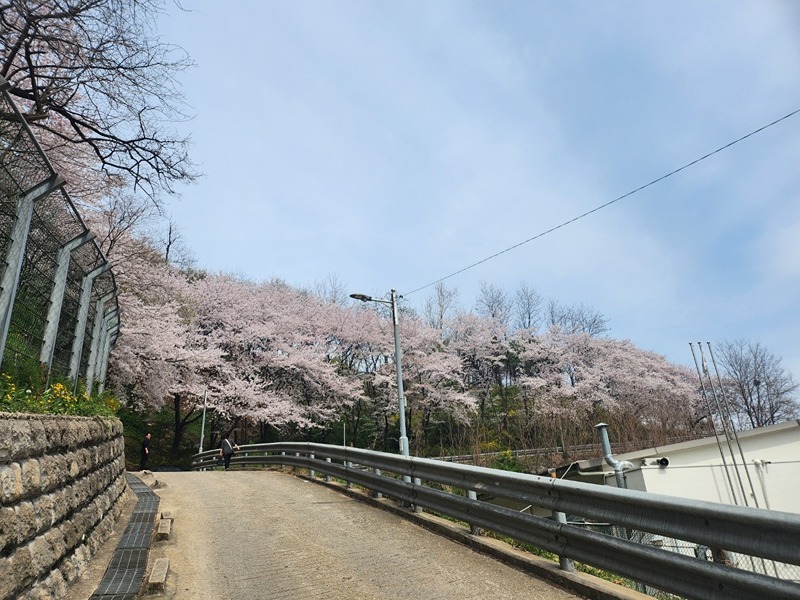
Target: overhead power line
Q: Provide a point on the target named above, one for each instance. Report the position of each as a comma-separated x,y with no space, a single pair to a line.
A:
609,203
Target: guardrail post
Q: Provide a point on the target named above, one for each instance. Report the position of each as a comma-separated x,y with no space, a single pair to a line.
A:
311,471
327,477
349,465
567,564
473,529
418,483
378,495
294,467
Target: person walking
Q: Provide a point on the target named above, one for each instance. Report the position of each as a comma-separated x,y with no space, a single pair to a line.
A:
226,451
145,452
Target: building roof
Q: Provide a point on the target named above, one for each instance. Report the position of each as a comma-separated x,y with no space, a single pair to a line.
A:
599,463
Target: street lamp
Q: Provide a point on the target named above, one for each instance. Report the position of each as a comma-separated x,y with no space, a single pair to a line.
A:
398,361
203,426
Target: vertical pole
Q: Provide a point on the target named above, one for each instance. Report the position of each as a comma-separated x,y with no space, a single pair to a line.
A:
713,424
203,423
80,326
733,427
100,327
473,529
111,339
417,483
724,415
398,360
378,494
327,477
310,470
57,297
566,564
15,255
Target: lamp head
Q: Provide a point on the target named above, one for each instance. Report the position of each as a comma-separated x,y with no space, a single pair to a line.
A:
362,297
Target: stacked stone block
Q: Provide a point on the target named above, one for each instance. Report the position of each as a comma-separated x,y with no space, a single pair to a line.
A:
61,485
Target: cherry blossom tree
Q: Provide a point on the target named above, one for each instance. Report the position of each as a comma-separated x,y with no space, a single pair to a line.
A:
307,365
578,380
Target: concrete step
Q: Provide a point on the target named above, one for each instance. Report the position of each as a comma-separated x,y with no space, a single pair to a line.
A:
158,575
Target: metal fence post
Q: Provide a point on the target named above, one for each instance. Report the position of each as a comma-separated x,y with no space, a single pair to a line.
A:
110,340
378,495
311,471
417,507
327,477
473,529
57,296
567,564
15,255
83,316
98,331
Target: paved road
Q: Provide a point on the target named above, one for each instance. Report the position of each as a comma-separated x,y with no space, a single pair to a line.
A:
266,535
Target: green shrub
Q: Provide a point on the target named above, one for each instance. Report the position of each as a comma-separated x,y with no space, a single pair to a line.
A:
56,399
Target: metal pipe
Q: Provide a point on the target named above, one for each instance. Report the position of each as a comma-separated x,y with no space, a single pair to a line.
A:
602,430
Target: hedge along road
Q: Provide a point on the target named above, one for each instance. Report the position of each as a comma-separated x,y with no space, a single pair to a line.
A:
267,535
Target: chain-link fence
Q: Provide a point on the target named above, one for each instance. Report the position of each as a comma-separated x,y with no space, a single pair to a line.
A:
59,315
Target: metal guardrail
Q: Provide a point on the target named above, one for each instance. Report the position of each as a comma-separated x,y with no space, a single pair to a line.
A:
765,534
595,449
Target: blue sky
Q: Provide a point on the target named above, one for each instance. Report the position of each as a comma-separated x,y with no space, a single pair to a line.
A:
391,144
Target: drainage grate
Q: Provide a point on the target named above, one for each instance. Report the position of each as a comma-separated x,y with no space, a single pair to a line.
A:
129,558
136,540
125,574
121,581
143,517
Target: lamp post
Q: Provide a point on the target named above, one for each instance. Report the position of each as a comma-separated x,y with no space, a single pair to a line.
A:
203,426
398,363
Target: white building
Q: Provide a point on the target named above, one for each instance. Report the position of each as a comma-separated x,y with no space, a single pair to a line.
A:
761,469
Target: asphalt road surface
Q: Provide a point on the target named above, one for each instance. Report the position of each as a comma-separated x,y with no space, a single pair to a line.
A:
266,535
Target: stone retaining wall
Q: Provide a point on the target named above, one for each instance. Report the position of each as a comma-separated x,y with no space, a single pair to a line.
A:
61,486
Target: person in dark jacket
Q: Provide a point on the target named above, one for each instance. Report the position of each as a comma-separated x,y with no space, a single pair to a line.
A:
144,456
226,451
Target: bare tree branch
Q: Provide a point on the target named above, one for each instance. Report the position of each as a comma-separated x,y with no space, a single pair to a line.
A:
93,74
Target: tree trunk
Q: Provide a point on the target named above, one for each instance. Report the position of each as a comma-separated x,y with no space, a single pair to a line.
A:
181,422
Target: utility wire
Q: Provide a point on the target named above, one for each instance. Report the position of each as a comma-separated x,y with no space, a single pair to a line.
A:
609,203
